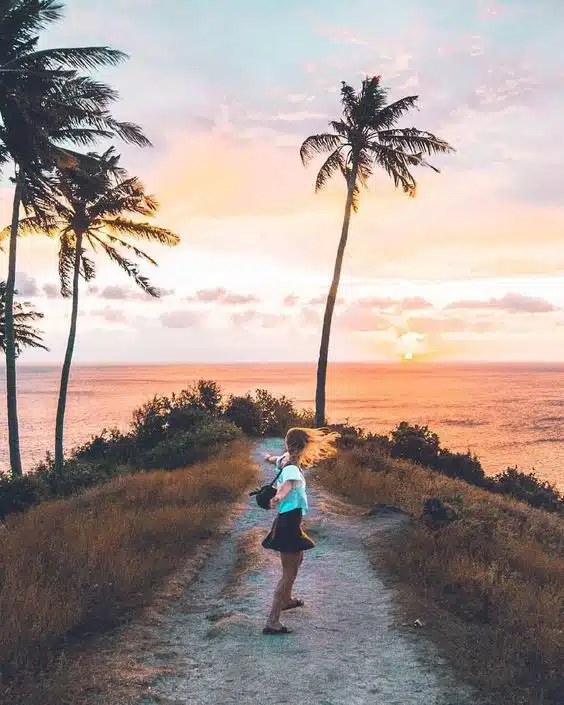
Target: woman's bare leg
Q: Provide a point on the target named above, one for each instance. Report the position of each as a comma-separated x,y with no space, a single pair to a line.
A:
290,566
289,595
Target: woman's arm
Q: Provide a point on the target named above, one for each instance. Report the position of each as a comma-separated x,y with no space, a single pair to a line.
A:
284,490
270,458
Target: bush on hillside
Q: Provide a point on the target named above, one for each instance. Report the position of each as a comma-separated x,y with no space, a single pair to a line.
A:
244,413
190,446
265,414
416,443
528,488
420,445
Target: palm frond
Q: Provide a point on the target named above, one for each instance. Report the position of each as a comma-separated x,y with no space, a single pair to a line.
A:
131,133
144,231
316,145
116,241
37,225
396,165
88,268
349,100
334,162
21,20
341,128
365,166
81,58
409,138
130,268
388,116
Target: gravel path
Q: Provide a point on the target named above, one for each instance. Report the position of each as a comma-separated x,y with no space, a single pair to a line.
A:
344,649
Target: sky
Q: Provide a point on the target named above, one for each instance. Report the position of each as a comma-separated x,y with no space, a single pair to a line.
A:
472,269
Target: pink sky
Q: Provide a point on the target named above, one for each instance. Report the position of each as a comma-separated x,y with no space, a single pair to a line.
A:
471,269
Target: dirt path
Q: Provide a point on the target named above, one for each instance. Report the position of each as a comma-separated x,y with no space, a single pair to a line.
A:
344,649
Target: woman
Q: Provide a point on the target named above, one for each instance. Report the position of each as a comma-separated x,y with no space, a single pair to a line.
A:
304,447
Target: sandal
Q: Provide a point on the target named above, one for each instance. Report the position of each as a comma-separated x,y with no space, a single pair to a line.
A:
271,630
292,604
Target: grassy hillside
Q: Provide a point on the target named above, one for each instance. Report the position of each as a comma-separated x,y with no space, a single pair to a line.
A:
499,571
81,564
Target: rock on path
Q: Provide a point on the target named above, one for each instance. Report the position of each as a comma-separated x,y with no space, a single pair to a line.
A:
344,650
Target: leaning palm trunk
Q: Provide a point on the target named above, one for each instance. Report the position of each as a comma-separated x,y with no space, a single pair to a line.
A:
11,381
65,372
330,305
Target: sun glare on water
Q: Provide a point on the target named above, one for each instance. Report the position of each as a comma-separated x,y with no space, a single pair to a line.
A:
408,356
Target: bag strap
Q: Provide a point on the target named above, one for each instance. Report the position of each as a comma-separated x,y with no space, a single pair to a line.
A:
276,478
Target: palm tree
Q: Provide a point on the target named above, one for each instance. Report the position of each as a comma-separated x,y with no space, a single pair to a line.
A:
364,138
24,315
96,200
44,106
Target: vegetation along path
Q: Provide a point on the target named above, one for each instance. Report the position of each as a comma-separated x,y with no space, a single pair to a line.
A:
344,649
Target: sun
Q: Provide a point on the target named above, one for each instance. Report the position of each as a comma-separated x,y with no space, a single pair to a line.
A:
409,345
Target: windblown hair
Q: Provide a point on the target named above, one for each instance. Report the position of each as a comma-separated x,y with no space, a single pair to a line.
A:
307,446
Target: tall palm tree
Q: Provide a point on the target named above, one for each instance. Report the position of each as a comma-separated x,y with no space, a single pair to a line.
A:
93,211
366,137
26,335
44,107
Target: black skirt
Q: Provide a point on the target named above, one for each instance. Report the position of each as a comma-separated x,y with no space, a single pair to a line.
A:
287,535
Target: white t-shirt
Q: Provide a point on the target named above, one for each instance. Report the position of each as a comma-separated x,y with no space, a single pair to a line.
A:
296,498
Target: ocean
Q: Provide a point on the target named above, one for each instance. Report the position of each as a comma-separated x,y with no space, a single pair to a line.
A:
508,414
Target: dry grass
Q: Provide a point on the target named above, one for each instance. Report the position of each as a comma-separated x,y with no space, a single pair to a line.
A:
500,571
76,566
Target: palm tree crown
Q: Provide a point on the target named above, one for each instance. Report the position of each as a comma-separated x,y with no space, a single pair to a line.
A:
24,315
44,103
367,137
95,203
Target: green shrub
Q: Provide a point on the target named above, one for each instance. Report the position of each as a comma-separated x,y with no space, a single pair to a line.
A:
528,488
416,443
188,447
244,413
265,414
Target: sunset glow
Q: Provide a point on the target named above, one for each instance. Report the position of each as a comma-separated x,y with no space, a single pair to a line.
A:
472,268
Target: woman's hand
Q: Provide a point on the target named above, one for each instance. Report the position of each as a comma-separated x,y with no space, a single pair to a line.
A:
274,501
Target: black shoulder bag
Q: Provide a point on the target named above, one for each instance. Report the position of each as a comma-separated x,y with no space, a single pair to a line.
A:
266,493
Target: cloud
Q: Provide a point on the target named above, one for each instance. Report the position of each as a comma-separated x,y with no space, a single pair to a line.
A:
111,315
310,318
223,297
115,293
51,291
442,325
300,116
414,303
182,319
26,285
290,301
512,303
360,319
262,320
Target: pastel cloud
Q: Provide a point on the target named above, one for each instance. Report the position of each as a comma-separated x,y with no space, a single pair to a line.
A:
221,296
182,319
511,302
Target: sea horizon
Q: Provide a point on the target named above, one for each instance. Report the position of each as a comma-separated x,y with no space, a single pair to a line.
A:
507,413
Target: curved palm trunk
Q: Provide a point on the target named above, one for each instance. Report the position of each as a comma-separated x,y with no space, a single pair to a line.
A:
65,372
330,306
10,344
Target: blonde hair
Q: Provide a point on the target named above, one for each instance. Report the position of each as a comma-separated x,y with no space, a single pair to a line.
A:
307,446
